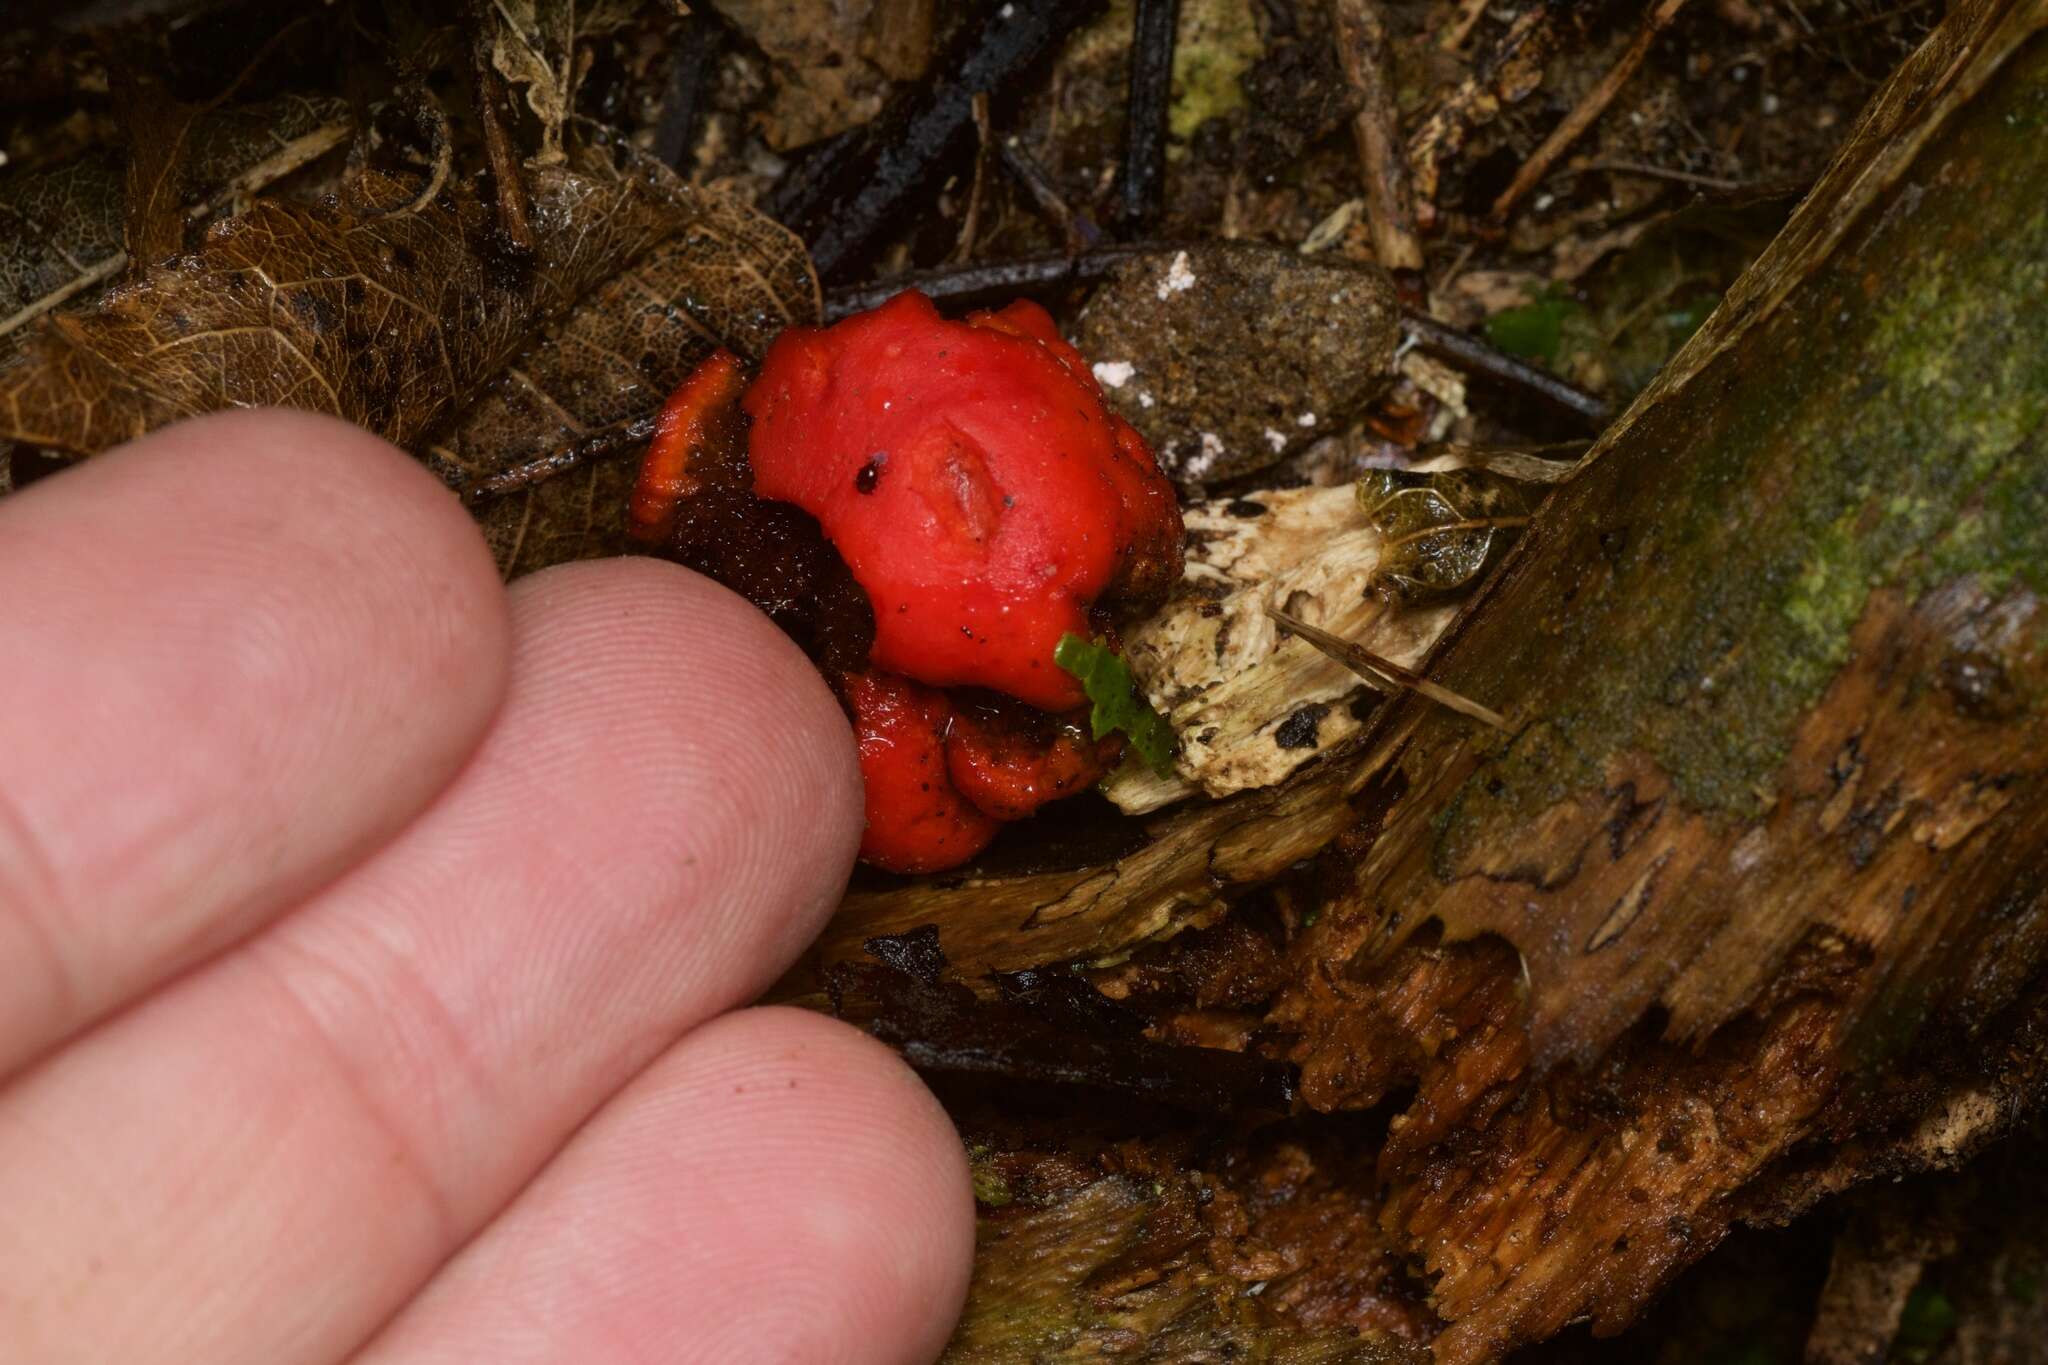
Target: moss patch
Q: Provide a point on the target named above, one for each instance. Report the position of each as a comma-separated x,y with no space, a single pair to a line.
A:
1216,43
1885,427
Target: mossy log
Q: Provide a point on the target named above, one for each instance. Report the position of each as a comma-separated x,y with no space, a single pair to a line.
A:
1752,899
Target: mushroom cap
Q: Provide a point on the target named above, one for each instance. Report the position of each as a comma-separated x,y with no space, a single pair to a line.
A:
972,480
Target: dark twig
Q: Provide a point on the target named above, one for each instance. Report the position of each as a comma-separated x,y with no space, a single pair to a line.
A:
1468,352
1038,274
1029,172
1590,107
810,168
690,65
615,439
859,197
1382,159
1141,187
959,284
486,90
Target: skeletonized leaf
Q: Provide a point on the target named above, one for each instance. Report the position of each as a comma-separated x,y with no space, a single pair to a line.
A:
60,229
391,322
727,277
1441,528
535,47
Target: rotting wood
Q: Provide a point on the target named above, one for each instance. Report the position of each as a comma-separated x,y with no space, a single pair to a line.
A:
1777,654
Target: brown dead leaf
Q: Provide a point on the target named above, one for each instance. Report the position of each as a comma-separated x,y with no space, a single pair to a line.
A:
160,131
391,322
535,47
61,228
410,323
728,277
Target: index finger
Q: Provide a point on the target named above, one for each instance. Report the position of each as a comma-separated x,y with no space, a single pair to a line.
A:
241,653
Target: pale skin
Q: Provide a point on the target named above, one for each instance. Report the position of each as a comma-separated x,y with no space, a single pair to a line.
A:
375,945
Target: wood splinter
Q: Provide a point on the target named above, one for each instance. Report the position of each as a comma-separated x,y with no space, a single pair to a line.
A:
1381,670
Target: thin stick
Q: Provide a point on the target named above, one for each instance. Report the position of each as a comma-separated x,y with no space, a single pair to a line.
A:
1154,27
1377,668
956,283
1710,182
498,149
595,445
1029,172
1468,352
1382,159
970,226
988,277
1590,108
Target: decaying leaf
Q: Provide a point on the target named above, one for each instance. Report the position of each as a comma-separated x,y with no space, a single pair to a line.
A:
726,277
1441,528
391,322
535,47
159,130
61,228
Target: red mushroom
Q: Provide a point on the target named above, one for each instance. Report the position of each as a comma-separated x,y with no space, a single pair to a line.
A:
917,820
974,483
1010,760
985,502
698,414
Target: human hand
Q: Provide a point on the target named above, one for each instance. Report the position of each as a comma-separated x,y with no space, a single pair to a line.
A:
373,942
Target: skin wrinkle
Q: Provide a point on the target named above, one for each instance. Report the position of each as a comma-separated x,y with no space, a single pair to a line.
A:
410,1160
28,886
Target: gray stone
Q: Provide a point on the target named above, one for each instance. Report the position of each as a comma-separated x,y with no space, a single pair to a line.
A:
1228,356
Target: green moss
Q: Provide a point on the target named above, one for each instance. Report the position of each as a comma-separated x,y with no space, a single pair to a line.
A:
1217,42
1928,1321
1884,428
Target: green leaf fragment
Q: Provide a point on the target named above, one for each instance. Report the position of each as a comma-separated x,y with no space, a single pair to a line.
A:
1115,700
1535,330
1927,1322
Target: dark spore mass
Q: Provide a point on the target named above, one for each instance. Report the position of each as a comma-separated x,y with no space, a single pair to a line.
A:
1300,730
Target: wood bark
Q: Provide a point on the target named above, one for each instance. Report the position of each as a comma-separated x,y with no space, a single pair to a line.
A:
1752,902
